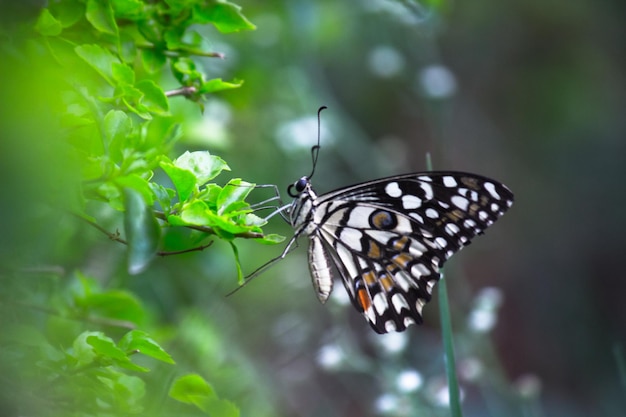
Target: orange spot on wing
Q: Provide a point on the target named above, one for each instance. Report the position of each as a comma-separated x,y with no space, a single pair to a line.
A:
363,299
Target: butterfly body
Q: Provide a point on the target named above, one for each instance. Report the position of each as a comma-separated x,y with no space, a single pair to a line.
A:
389,237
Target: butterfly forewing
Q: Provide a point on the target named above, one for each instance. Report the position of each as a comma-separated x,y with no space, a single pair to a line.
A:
388,238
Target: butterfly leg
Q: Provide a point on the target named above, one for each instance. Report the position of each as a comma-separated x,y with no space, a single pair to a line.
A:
291,245
263,205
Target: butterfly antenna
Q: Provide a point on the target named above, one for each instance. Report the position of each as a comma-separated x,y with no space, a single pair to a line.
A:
315,150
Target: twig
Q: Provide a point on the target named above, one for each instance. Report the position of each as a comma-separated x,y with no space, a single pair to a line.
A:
183,51
186,91
178,252
113,236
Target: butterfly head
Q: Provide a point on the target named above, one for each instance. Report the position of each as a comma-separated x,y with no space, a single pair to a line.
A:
298,187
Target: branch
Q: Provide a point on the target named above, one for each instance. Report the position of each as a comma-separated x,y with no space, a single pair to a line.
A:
209,230
113,236
183,51
177,252
186,91
161,216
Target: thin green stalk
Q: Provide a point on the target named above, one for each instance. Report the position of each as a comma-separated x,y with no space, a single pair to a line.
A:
448,344
448,339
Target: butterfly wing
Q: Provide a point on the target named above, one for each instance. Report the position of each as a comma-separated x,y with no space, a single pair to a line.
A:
388,238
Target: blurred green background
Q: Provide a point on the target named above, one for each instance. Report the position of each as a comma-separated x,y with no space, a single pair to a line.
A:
532,94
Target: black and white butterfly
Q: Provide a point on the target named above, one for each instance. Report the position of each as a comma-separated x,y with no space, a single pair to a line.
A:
388,238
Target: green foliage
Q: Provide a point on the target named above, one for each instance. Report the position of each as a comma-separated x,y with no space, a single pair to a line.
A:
193,389
83,348
112,107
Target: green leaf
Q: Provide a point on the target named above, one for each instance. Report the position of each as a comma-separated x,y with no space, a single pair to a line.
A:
185,66
209,194
221,408
47,25
82,351
105,346
129,9
163,195
190,385
204,166
173,39
100,15
131,97
233,195
154,98
117,126
99,59
217,84
226,17
271,239
142,231
114,304
129,390
192,389
106,349
152,60
240,277
226,224
137,183
138,341
183,180
68,12
196,213
252,219
122,73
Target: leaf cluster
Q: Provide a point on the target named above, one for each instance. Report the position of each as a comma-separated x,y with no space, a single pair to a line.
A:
110,57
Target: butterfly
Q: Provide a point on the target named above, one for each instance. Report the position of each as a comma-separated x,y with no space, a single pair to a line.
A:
388,238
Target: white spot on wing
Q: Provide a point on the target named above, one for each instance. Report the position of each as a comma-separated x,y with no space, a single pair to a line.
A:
401,280
393,190
452,229
411,202
390,326
420,270
380,303
441,242
432,213
449,181
460,202
428,190
469,223
492,190
399,302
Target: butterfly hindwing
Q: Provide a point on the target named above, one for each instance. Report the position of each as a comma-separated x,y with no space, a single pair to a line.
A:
389,237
